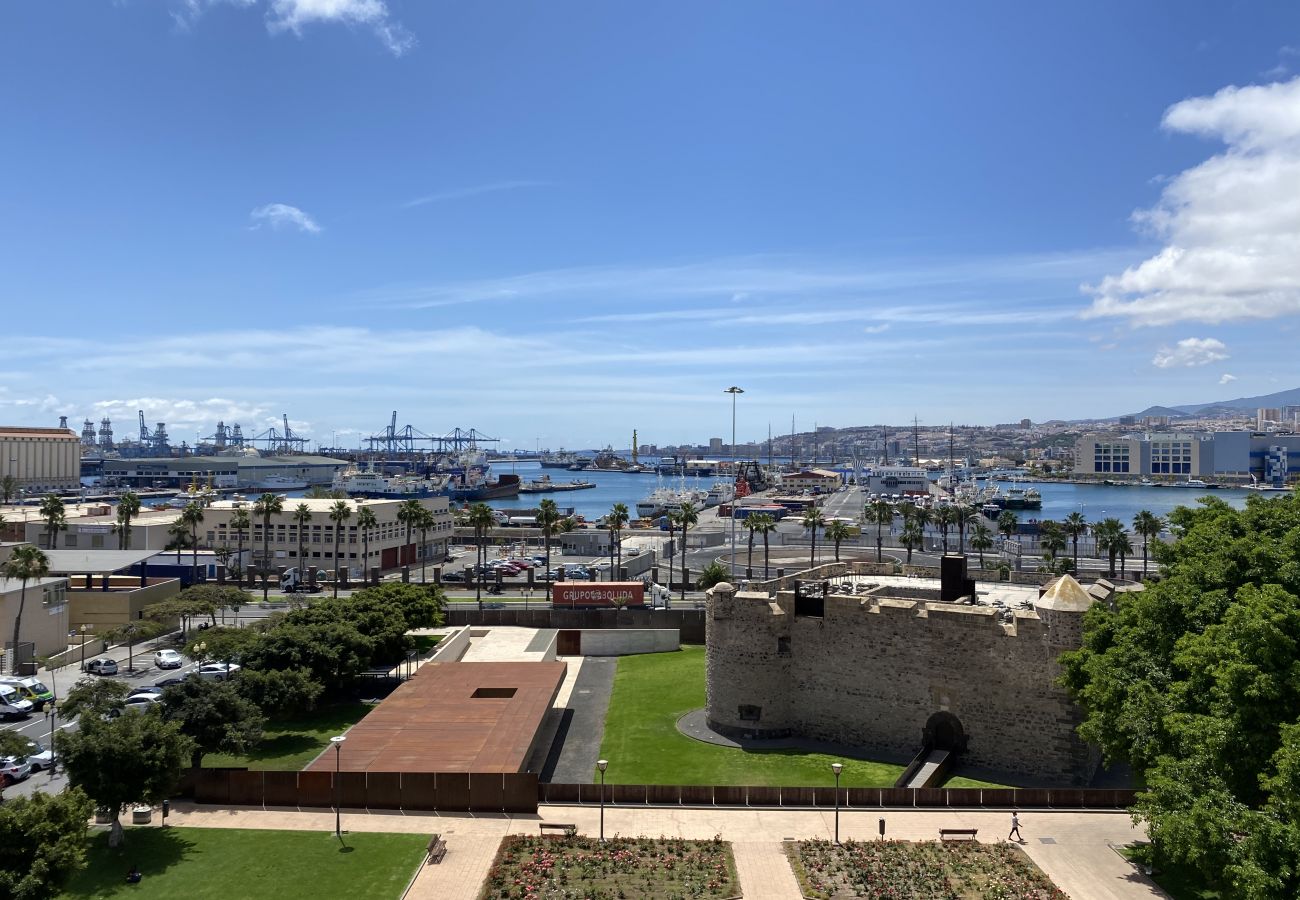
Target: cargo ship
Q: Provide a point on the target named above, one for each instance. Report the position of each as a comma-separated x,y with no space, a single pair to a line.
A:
476,490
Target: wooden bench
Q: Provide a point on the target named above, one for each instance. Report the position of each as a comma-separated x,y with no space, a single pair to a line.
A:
567,827
957,833
437,849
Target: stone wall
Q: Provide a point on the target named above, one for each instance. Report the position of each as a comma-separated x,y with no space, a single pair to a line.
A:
872,672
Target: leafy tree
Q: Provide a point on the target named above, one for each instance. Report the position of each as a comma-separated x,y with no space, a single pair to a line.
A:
1076,526
279,691
881,513
838,532
812,520
615,520
192,518
365,522
25,564
8,488
128,507
136,757
340,512
239,524
420,607
300,516
548,519
54,514
1149,525
94,699
686,516
482,520
981,539
265,506
42,843
1193,682
215,715
714,573
132,633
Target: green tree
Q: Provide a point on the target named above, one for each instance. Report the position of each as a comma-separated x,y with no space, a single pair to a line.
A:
264,507
981,539
133,758
366,522
1076,526
54,513
838,532
943,521
881,513
1107,534
964,516
1149,526
215,715
94,699
8,488
714,573
548,519
239,524
615,520
25,564
1123,548
408,513
1008,525
300,516
191,517
179,538
131,633
747,523
279,691
42,843
340,512
424,522
482,520
813,520
1051,538
687,516
128,507
764,524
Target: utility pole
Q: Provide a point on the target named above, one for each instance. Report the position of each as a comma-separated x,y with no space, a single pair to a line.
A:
916,442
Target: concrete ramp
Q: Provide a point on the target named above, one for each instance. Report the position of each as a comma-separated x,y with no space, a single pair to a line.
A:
928,769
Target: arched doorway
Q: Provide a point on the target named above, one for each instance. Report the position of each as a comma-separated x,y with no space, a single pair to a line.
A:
943,731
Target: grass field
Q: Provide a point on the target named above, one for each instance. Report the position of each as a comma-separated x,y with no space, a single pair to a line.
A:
1178,884
224,863
291,743
643,745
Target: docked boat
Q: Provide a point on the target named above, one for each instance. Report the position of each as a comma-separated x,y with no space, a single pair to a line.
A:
723,491
276,483
545,485
474,490
377,486
1192,483
561,460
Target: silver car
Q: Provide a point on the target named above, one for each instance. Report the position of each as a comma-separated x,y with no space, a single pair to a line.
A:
40,758
14,769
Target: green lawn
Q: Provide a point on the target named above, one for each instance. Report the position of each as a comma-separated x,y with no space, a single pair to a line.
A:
224,863
426,642
1178,884
961,781
291,743
643,745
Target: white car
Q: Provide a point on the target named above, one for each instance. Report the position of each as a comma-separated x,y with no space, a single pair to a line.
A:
168,659
217,671
142,701
14,769
39,758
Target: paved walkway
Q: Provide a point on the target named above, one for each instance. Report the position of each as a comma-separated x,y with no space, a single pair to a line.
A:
1073,848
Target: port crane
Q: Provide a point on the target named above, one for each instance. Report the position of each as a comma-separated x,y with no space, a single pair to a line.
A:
279,441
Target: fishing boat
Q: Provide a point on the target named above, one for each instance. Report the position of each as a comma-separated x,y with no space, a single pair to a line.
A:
478,488
723,491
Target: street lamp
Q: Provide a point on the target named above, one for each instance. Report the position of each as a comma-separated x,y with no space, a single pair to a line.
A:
602,765
733,391
337,741
83,646
837,768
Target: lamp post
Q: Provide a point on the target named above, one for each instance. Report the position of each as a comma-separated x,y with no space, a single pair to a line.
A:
83,646
837,768
337,741
733,391
602,765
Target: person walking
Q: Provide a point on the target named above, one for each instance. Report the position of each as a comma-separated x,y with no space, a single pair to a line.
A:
1015,828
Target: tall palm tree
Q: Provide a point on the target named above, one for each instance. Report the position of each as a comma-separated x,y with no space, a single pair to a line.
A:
1007,523
53,512
838,532
365,521
687,516
239,524
128,507
617,517
1107,534
180,538
192,517
764,524
812,520
267,505
482,521
913,536
943,519
1051,538
964,516
921,517
548,519
1075,525
1149,525
1123,547
340,512
423,523
747,523
981,539
301,515
882,513
25,564
408,514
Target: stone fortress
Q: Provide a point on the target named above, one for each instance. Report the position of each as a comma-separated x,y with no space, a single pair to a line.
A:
904,674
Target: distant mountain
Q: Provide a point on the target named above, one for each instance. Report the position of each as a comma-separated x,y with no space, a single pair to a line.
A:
1171,412
1221,407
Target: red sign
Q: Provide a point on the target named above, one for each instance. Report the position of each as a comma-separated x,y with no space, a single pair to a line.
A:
598,593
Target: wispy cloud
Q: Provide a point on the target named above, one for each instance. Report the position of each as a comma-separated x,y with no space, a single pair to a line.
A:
474,191
282,215
294,15
1190,352
1225,378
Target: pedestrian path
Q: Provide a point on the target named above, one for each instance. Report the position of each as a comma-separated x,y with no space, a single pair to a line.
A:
1075,849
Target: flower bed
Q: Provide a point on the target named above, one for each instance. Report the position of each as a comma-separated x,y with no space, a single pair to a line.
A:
583,867
928,870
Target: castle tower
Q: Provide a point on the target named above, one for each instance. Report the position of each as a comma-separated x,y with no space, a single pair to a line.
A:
747,665
1061,608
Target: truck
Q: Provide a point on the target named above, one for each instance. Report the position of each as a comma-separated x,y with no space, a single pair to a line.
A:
292,582
597,594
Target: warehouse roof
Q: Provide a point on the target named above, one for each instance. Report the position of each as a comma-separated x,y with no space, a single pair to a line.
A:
94,562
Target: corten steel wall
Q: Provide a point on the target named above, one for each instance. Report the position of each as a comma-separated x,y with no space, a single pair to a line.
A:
689,622
456,791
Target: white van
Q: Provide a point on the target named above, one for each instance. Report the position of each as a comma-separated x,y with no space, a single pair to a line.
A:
13,706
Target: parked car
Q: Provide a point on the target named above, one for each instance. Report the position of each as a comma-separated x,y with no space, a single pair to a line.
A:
102,666
453,577
175,679
168,659
141,701
39,758
153,689
14,769
217,671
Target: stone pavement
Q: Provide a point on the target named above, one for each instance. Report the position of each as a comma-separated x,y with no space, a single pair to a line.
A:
1073,848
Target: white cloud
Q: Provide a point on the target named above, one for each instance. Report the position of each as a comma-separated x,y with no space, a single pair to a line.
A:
876,329
1190,352
1225,378
459,193
1230,225
292,15
282,215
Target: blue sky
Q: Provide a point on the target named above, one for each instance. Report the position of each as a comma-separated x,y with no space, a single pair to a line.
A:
556,222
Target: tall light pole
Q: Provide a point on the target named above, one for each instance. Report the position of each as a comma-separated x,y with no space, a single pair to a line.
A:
602,765
337,741
733,391
837,768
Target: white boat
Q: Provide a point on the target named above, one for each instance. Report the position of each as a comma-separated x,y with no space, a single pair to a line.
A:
369,483
723,491
1191,483
280,483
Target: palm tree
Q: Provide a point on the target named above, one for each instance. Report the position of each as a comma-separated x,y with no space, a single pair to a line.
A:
1149,525
963,517
25,564
943,519
424,522
1107,534
128,507
981,539
618,517
340,512
880,512
764,524
1123,546
838,532
812,520
191,517
267,505
548,519
1075,525
922,517
1051,537
687,515
747,523
365,521
239,524
180,538
53,512
913,536
1007,523
408,514
482,521
301,515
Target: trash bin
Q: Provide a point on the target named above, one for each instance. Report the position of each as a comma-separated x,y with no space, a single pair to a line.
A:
141,815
